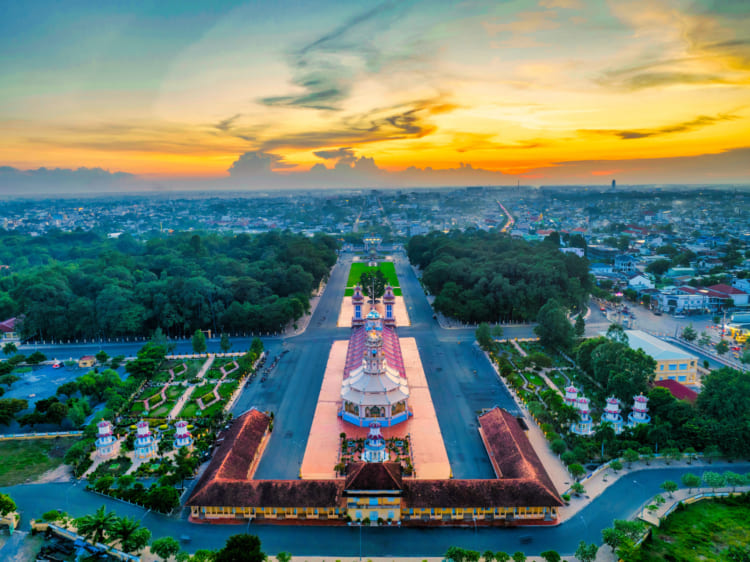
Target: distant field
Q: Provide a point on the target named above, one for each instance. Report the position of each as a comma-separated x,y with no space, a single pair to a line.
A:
358,268
25,460
700,532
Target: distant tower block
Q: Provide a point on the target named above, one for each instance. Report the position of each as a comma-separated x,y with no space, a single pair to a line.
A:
106,444
612,414
614,184
358,301
584,423
389,301
639,415
182,437
571,396
145,445
375,450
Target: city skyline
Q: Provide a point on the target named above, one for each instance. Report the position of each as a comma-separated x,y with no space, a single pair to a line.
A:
249,95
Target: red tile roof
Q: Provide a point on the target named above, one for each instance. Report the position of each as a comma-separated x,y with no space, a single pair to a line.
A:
679,391
513,492
8,325
727,289
373,476
512,454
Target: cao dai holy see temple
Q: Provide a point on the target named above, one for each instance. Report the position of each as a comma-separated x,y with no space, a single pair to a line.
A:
375,394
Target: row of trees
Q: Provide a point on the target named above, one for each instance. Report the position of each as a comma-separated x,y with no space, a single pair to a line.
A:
585,553
83,285
127,534
480,276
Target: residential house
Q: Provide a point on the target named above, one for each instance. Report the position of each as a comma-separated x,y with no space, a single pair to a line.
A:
625,263
640,282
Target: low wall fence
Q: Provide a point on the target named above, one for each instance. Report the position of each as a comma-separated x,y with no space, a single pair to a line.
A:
47,435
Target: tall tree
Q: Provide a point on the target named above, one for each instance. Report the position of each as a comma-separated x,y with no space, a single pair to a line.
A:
199,342
165,547
373,282
580,326
586,552
7,505
225,344
554,328
98,526
131,536
241,548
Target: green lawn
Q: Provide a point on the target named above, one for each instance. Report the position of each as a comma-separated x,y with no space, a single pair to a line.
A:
226,389
25,460
700,532
358,268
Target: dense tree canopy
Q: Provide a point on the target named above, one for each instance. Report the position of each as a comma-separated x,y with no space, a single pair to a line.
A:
480,276
82,284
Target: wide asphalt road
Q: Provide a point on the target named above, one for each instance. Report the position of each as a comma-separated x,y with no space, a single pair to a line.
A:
621,500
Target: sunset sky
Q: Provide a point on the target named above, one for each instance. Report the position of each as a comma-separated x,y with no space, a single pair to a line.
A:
312,94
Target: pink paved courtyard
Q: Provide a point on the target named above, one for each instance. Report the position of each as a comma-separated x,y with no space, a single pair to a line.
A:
346,312
324,443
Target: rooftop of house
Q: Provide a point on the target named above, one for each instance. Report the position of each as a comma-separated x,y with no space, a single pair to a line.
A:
726,289
656,348
679,391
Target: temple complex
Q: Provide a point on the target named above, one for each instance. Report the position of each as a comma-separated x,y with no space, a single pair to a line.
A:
374,388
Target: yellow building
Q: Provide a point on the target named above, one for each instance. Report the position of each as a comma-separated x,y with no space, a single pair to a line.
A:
672,363
375,492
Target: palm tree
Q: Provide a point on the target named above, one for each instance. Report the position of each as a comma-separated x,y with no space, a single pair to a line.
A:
129,532
95,527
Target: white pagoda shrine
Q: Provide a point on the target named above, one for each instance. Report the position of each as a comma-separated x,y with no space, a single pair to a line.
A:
639,415
375,450
106,443
571,396
145,444
584,424
612,414
182,437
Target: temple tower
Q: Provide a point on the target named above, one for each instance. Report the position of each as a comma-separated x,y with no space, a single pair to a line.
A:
145,444
612,414
375,450
639,415
571,396
182,437
389,302
584,423
105,441
358,301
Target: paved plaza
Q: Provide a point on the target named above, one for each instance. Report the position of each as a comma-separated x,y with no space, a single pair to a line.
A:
347,312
